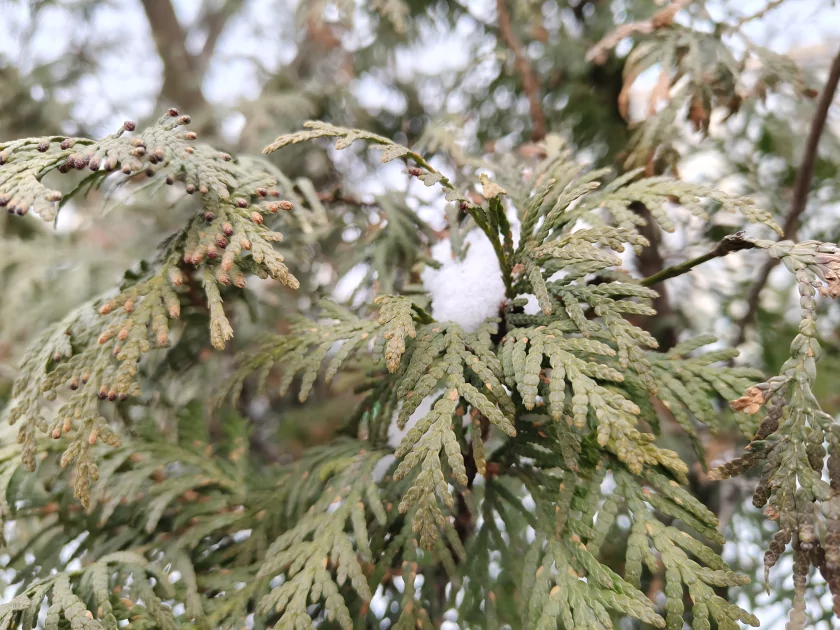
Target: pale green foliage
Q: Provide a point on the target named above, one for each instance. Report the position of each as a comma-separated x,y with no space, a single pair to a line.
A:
687,384
97,356
308,345
302,559
95,594
550,406
579,604
395,314
790,443
582,357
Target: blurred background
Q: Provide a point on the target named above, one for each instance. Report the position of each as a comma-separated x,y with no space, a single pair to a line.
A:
446,78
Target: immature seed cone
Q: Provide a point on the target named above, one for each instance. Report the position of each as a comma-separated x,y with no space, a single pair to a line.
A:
176,278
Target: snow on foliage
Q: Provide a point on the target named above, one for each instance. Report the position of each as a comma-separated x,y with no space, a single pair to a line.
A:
465,291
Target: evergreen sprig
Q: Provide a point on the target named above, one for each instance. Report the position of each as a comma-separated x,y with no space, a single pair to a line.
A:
795,436
536,430
97,357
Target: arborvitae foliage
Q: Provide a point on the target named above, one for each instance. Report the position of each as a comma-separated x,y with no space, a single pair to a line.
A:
532,440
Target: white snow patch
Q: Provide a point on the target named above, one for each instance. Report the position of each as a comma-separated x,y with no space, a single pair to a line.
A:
533,306
395,434
467,291
382,465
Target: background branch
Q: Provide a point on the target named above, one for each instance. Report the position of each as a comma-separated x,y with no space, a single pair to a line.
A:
215,23
530,82
182,74
800,193
663,17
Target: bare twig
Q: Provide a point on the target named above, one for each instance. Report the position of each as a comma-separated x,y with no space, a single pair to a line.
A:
806,170
758,14
215,23
182,74
662,18
530,83
732,243
800,193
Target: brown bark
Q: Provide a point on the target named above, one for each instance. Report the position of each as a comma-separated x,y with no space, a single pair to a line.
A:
664,327
530,82
182,72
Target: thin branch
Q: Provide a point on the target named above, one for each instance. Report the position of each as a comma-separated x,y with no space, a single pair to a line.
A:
530,82
662,18
215,24
758,14
806,170
800,192
181,75
732,243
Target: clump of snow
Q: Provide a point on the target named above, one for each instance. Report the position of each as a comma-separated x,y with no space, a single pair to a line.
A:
533,306
465,291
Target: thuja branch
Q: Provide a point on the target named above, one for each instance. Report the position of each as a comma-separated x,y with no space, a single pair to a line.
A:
732,243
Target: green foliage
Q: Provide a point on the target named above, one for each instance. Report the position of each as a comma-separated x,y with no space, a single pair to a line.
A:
97,357
590,369
301,560
688,385
790,443
516,473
